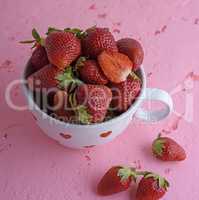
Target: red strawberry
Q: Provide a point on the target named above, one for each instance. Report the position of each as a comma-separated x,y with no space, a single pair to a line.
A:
133,49
117,179
62,48
39,58
91,73
47,82
116,66
92,102
167,149
98,40
152,187
61,107
125,93
45,78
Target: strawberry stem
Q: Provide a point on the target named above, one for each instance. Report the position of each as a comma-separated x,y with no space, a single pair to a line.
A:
77,32
37,39
52,29
142,173
67,79
134,76
79,64
27,41
80,110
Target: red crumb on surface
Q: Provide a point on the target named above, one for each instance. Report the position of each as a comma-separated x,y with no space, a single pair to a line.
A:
193,76
7,65
106,134
196,21
116,30
164,28
92,7
5,136
66,136
87,158
149,74
8,62
102,16
157,32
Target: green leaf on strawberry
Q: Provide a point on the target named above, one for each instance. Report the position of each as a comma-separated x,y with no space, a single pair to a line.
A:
125,173
83,115
77,32
72,100
38,40
51,30
162,182
79,63
67,79
134,76
80,110
36,35
158,146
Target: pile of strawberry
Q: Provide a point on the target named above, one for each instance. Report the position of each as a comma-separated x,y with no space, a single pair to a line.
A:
151,186
87,75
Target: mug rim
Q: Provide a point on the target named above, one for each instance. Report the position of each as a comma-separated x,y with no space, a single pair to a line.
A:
110,121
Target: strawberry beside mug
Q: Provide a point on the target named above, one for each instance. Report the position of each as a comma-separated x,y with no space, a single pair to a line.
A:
83,136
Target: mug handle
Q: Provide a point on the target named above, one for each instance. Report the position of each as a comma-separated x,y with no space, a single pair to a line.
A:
155,94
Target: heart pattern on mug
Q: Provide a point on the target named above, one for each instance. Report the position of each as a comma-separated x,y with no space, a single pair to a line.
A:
105,134
66,136
34,117
89,146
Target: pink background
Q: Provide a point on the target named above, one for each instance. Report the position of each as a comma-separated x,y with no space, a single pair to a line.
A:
34,167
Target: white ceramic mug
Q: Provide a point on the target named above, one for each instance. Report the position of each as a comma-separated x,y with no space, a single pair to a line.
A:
85,136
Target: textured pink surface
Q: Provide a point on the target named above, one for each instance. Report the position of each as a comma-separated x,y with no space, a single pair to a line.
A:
34,167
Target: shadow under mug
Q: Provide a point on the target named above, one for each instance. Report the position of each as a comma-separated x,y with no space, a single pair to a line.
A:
85,136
